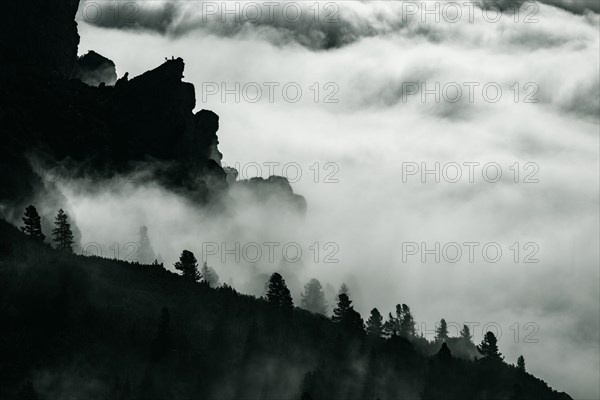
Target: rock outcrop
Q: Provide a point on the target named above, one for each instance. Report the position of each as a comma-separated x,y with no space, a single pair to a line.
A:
39,39
48,114
94,69
274,188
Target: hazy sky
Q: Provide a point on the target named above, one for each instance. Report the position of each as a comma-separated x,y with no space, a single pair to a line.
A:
370,57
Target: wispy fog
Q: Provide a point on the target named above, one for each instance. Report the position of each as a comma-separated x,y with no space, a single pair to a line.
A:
369,136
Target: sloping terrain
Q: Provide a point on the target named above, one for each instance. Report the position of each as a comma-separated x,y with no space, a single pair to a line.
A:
93,328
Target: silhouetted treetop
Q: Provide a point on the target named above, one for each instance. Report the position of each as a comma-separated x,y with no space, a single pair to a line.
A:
465,333
145,252
391,327
441,333
278,294
32,224
375,323
489,347
345,314
214,343
521,363
61,234
344,304
188,265
407,321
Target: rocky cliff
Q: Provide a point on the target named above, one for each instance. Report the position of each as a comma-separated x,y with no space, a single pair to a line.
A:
52,121
94,69
39,39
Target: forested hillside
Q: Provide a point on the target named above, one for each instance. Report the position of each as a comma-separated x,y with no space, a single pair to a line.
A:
77,327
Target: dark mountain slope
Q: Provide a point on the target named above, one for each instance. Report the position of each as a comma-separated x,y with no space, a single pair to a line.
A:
92,328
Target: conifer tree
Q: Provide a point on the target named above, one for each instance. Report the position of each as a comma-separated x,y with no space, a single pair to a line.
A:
344,304
465,334
146,252
209,275
441,333
62,235
375,323
278,292
399,314
313,298
521,363
344,289
391,326
489,347
345,314
32,224
407,322
188,265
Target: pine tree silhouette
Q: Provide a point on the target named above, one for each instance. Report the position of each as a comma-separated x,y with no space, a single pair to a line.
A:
441,333
489,347
278,293
343,306
521,363
188,265
145,252
62,235
391,327
407,322
375,323
345,314
32,224
465,334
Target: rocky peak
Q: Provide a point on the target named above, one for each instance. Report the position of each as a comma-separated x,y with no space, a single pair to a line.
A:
94,69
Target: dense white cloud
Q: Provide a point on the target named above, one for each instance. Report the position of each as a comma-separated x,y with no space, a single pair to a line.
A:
370,132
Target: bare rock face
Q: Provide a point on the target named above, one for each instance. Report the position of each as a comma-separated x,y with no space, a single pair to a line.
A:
152,113
94,69
87,128
207,124
39,38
